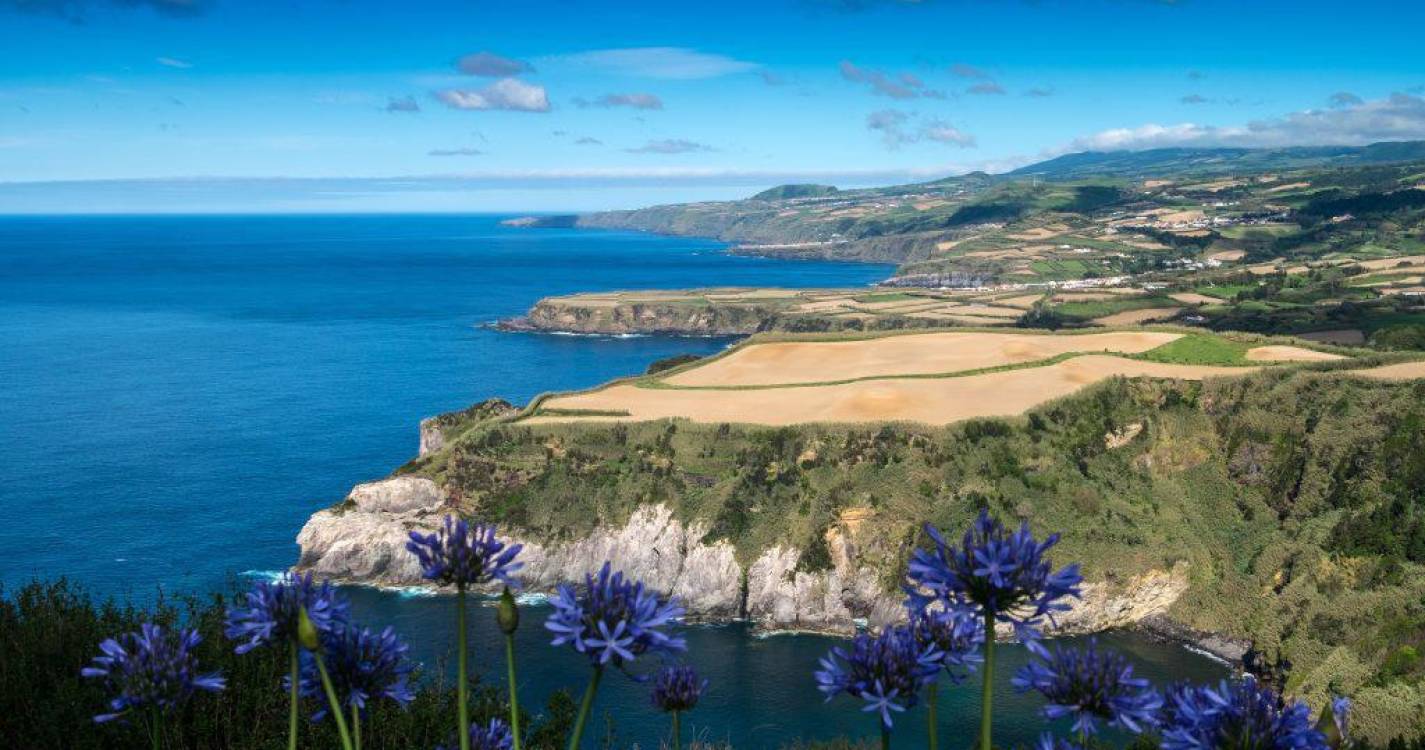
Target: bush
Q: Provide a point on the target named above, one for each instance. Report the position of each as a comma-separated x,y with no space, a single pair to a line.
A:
49,631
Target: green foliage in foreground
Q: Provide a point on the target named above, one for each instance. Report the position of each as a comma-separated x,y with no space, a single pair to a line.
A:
48,632
1291,501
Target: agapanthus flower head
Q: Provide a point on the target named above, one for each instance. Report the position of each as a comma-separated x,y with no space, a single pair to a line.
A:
886,670
1050,742
613,620
364,666
956,634
495,735
677,687
1005,574
1238,715
463,555
1341,719
150,669
273,609
1091,685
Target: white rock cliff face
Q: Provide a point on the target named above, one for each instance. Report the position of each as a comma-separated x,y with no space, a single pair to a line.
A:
364,542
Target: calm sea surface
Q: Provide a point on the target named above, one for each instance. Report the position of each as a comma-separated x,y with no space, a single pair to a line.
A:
178,394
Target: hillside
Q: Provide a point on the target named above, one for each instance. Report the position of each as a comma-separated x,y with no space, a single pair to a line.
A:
1086,215
1280,507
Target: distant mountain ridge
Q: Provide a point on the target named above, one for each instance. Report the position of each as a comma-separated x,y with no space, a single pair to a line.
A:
1208,161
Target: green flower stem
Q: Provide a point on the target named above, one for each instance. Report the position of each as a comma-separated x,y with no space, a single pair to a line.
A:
355,727
987,694
463,659
677,733
932,732
155,734
514,691
584,708
885,737
332,702
292,711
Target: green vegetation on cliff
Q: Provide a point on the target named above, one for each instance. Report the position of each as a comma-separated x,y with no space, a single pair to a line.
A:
1292,499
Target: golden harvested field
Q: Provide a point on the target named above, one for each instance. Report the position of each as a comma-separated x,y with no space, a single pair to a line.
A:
1134,317
1024,301
928,400
1389,263
1280,353
1228,256
1401,371
918,354
1193,298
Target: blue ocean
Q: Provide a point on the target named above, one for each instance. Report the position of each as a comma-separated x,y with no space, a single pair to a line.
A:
180,393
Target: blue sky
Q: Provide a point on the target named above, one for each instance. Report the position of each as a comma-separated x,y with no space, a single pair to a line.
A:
333,105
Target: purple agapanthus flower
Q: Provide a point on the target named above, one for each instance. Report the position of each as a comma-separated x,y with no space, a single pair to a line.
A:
495,735
1341,714
364,666
677,687
150,669
613,620
997,572
273,608
1239,715
1090,685
887,671
956,634
463,555
1050,742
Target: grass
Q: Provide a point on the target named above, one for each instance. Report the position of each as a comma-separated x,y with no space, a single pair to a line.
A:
1099,308
886,297
552,412
1224,291
1200,349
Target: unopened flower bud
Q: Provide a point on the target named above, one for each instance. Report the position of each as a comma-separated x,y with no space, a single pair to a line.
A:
307,632
507,614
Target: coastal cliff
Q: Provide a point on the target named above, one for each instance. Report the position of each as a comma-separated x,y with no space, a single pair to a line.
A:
363,541
572,315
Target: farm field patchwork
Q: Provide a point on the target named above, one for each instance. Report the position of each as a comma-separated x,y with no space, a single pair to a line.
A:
776,363
932,378
934,401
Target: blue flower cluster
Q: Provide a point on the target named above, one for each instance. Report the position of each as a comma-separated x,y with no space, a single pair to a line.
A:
363,666
1090,685
677,687
1240,715
1003,574
273,609
956,634
613,620
493,736
887,671
150,669
464,555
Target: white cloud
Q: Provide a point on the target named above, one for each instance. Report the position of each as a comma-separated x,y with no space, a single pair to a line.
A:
678,63
455,152
635,101
670,146
403,104
1399,117
491,65
902,86
964,70
893,126
173,62
507,94
950,135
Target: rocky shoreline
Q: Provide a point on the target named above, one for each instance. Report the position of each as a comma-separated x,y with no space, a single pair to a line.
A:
362,541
